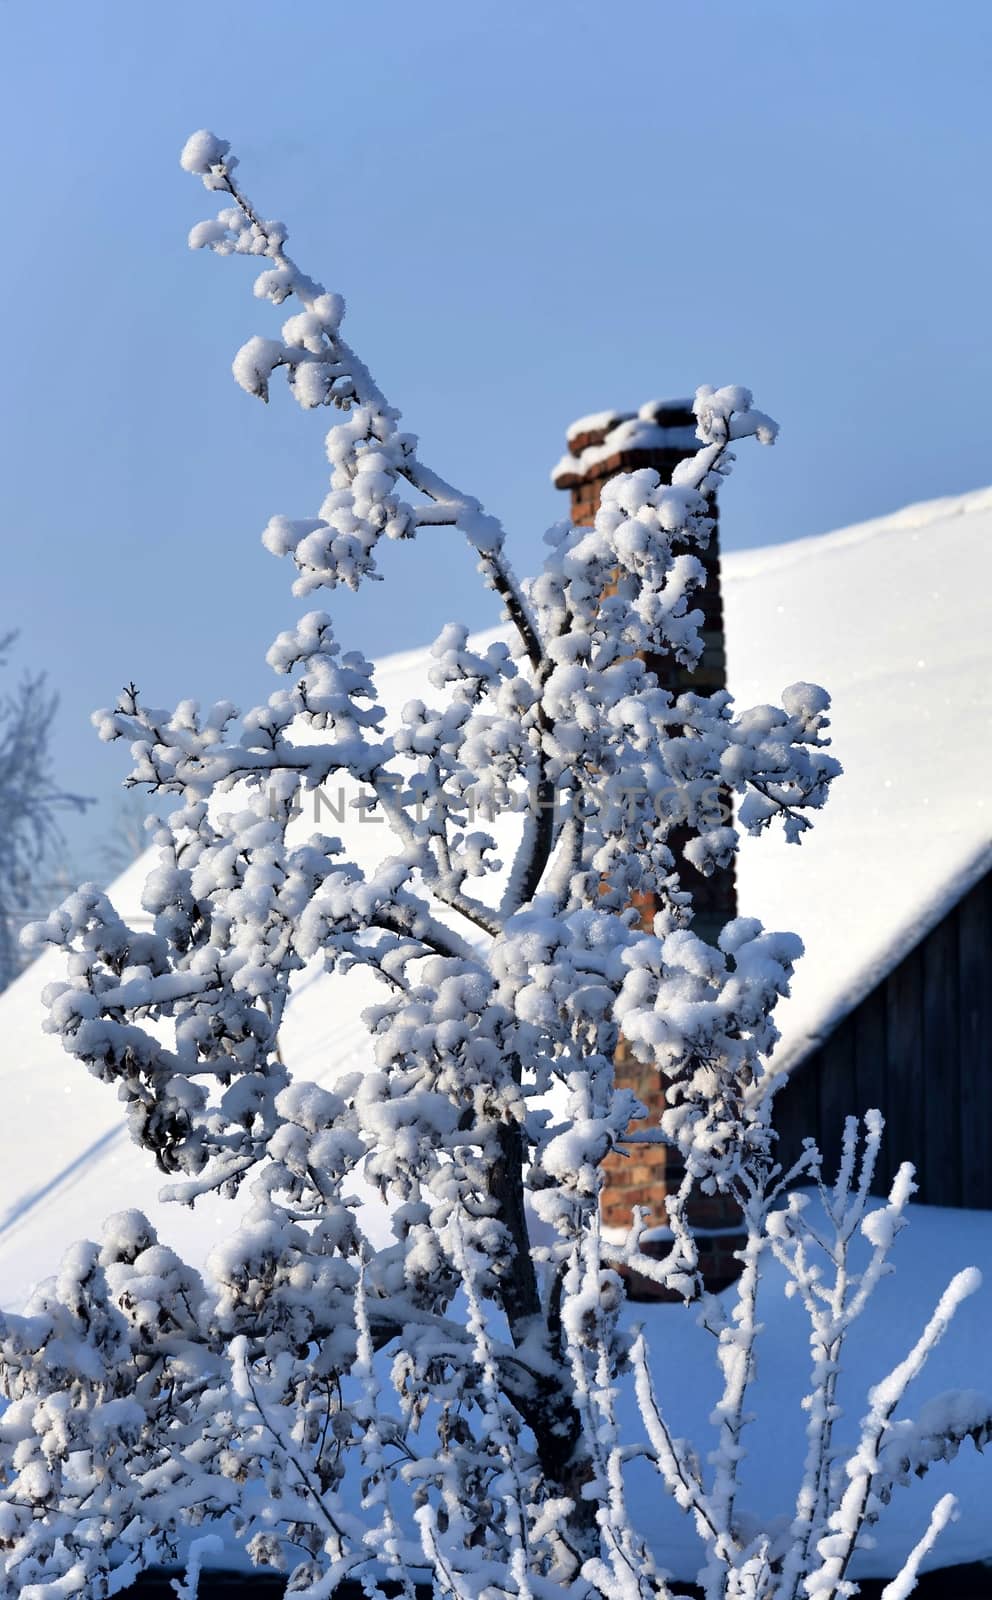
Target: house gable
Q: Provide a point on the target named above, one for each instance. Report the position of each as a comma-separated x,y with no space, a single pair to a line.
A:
918,1047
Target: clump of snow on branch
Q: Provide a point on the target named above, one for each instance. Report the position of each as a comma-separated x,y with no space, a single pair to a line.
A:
467,1375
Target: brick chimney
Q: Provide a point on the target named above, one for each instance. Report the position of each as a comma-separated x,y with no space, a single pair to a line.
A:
660,435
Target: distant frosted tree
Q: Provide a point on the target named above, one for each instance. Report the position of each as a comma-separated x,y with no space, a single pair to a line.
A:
127,838
31,801
448,1402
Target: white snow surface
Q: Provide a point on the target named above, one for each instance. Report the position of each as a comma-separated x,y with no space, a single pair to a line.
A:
890,617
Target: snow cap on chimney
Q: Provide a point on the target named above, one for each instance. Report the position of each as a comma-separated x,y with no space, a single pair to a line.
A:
661,434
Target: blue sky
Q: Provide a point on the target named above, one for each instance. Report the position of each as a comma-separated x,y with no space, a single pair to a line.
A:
533,211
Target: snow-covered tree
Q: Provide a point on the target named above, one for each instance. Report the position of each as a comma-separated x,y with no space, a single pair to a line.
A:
449,1402
30,803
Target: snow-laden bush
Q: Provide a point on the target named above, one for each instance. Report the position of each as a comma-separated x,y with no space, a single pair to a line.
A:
466,1378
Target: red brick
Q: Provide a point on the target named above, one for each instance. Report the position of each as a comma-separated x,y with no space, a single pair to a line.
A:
645,1175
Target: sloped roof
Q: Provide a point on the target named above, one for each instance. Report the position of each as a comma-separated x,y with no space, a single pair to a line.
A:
892,617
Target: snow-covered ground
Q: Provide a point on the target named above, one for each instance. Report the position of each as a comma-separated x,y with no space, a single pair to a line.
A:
936,1244
890,616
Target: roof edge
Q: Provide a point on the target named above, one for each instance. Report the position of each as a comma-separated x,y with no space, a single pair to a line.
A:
952,891
756,561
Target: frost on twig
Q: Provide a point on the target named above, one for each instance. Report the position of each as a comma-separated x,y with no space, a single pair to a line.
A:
465,1378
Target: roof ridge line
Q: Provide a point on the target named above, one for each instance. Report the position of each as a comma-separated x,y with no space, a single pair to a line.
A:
756,560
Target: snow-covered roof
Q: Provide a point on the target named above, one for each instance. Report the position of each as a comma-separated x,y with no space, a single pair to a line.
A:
890,616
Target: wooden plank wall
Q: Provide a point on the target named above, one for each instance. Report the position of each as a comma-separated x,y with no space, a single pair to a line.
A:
919,1047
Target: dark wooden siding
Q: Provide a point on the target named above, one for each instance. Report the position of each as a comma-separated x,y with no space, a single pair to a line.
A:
919,1047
